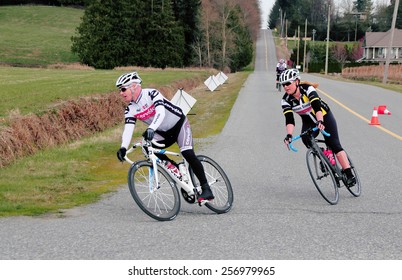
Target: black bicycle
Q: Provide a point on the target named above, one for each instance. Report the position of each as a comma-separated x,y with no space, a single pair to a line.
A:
278,86
327,176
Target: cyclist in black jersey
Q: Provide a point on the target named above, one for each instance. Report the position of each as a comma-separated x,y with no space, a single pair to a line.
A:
166,122
304,100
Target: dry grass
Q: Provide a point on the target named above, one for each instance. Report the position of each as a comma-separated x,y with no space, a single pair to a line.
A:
71,66
281,49
67,121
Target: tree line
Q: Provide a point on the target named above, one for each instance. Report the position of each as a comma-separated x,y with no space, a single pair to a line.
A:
349,21
164,33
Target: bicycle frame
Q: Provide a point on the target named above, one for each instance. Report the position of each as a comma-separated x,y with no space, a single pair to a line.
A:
313,142
314,146
307,132
156,163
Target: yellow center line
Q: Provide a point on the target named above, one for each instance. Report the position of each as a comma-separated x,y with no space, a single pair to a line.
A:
360,116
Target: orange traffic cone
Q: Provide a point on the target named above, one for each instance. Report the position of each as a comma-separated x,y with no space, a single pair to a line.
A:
374,118
382,109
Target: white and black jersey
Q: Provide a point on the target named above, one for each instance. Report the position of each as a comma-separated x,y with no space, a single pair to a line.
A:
306,107
153,109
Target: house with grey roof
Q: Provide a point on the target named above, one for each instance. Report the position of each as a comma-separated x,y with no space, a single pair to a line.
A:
376,46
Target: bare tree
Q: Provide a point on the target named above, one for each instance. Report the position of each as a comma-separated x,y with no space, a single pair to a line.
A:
339,53
207,17
217,27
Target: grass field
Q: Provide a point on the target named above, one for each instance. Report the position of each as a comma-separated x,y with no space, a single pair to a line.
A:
33,90
81,171
37,35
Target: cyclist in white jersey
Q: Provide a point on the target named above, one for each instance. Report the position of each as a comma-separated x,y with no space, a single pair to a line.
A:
280,67
166,122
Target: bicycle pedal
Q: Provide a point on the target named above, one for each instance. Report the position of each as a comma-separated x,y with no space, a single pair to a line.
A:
188,198
203,202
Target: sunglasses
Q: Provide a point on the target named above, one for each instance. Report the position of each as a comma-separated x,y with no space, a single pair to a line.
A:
123,89
287,84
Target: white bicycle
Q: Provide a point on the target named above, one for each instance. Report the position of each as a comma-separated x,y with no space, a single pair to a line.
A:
155,189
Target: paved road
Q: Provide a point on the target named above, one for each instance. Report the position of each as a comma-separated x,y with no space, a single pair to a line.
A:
277,214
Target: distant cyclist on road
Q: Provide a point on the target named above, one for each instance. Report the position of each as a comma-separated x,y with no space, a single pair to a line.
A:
280,67
303,99
166,122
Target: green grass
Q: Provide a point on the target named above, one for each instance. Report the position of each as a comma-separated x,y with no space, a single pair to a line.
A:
37,35
60,178
32,90
80,172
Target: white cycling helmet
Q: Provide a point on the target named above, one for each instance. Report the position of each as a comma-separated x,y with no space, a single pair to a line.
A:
128,79
289,75
281,60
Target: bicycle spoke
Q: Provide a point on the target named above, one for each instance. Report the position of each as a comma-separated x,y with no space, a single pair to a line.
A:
220,186
160,200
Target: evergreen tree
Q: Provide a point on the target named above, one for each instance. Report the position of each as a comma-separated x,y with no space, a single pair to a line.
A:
187,13
129,32
163,41
108,34
241,53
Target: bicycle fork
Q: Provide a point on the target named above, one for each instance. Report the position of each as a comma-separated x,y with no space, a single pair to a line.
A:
153,174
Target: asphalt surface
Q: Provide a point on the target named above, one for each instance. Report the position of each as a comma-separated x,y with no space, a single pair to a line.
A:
277,212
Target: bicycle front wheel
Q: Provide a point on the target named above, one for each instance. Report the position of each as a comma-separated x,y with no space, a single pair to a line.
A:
160,201
219,183
322,176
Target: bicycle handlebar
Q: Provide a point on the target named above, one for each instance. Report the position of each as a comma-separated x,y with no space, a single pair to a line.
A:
308,131
143,143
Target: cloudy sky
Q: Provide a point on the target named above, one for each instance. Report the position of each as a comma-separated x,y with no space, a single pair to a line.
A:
266,6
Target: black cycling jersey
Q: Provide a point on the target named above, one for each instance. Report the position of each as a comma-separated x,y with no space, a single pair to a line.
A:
306,107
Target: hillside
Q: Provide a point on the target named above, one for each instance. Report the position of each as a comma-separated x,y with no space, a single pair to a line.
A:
37,35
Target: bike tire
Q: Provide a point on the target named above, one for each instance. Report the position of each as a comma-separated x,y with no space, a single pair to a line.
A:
357,188
322,176
219,183
163,204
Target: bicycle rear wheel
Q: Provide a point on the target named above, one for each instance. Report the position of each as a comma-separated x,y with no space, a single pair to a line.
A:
356,189
322,176
159,202
219,183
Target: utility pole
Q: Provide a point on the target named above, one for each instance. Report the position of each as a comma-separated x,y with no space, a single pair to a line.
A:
283,24
355,27
281,19
326,54
298,45
385,78
305,47
286,33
